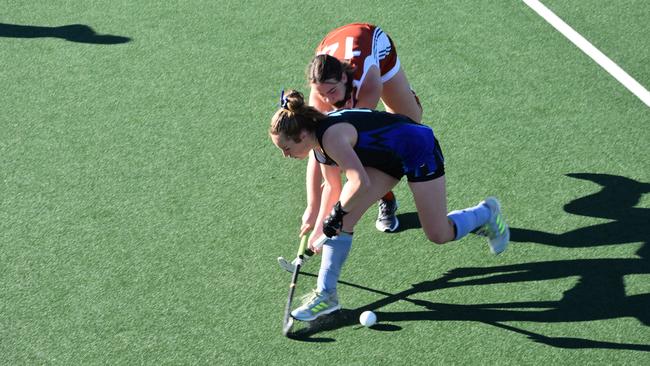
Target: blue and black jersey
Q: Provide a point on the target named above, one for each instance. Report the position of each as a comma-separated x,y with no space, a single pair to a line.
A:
392,143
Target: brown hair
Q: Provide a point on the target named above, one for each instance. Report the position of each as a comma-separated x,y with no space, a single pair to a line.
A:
294,116
325,67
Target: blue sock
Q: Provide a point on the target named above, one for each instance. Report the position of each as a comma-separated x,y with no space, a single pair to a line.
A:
335,252
469,219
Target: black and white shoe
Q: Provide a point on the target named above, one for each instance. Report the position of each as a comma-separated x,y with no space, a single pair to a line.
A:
386,219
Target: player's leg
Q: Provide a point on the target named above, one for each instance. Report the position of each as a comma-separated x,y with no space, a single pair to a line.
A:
440,227
496,229
387,216
431,202
398,97
380,184
336,249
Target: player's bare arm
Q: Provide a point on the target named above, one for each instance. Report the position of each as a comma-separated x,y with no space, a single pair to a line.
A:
371,89
313,188
330,195
338,142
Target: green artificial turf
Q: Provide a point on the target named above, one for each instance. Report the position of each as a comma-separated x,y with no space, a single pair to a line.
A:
143,206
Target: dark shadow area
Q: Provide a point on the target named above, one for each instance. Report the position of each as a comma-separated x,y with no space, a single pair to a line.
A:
615,201
599,293
386,327
572,343
336,320
73,33
408,221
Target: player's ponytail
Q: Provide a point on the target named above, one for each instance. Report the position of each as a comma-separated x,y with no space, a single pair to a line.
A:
294,116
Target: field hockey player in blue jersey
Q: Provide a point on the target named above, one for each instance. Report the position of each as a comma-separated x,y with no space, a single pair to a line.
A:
374,150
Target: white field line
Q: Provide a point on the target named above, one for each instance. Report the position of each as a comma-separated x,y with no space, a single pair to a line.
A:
591,51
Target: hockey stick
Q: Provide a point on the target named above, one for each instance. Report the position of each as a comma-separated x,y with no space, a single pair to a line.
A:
288,320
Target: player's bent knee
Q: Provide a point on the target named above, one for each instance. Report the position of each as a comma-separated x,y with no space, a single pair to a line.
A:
436,237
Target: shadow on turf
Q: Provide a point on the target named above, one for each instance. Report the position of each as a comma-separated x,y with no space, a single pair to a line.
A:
598,295
616,201
74,33
408,221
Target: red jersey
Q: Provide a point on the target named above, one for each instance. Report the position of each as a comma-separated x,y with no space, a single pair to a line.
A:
362,45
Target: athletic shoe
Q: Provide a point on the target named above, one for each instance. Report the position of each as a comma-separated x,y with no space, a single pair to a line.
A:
496,229
386,219
315,305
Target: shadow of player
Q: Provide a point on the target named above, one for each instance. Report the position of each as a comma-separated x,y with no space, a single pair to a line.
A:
615,201
74,33
599,293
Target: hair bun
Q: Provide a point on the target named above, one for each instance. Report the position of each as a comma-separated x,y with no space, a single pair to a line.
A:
295,100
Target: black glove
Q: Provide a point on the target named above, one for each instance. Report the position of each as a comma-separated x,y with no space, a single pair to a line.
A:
334,221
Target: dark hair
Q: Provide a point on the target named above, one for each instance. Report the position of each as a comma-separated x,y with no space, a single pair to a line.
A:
294,117
325,67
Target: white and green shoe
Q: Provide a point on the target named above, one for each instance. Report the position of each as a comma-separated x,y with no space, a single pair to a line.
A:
496,229
316,304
